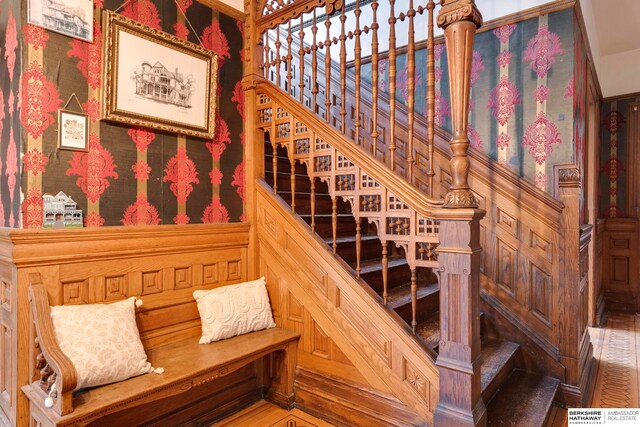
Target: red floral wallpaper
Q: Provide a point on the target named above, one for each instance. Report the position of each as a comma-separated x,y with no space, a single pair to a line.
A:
129,176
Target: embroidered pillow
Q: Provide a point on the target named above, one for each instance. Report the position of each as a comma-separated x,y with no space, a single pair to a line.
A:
234,310
102,341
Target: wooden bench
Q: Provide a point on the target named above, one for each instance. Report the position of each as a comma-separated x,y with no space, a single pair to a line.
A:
147,399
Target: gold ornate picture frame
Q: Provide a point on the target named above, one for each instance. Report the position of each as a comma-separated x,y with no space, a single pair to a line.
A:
157,80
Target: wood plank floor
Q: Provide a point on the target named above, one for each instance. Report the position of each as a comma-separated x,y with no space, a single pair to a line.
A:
265,414
616,348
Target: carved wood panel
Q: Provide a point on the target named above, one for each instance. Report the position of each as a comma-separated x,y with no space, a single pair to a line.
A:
621,264
541,291
506,267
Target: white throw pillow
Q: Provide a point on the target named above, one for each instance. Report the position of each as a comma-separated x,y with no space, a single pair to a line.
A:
102,341
234,310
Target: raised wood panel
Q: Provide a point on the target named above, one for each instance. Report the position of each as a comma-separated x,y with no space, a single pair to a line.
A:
114,288
619,270
506,267
182,277
151,282
76,292
541,245
7,353
210,274
5,295
508,222
541,291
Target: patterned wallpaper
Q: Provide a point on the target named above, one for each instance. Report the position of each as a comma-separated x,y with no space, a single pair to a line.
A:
130,176
522,110
614,125
10,66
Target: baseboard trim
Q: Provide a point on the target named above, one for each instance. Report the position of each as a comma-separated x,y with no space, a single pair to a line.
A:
345,403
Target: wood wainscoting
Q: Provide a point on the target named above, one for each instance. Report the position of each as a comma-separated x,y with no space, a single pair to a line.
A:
621,264
162,265
347,334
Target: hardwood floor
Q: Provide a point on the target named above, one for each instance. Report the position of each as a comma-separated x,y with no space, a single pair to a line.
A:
265,414
616,348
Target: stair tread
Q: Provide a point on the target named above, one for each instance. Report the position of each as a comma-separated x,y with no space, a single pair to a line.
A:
401,295
523,401
495,355
429,330
370,266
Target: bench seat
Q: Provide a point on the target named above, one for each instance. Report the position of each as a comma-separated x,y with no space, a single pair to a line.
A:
187,366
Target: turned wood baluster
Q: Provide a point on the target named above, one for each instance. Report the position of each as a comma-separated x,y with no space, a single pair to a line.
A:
301,54
289,59
267,59
274,146
392,83
327,68
414,299
314,64
313,204
278,58
358,62
293,185
374,78
431,93
334,223
343,69
411,76
358,245
385,272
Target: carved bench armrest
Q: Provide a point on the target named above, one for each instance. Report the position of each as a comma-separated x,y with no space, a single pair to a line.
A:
61,365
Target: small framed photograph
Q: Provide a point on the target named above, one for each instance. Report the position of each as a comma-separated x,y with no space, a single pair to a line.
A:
73,18
73,131
157,80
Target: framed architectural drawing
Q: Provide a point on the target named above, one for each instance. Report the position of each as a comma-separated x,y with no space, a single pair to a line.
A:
156,80
73,131
72,18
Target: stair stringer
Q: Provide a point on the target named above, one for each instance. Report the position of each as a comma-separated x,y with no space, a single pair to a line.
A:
387,356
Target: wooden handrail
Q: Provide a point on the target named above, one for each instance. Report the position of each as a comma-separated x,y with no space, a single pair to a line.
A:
425,206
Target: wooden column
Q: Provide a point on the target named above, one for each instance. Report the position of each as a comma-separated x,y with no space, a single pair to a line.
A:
576,352
254,142
459,19
459,359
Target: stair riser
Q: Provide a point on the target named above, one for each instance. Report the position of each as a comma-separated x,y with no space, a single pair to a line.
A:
425,307
370,249
324,228
397,276
303,184
283,164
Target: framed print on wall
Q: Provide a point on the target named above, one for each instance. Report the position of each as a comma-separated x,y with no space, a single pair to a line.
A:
156,80
72,18
73,131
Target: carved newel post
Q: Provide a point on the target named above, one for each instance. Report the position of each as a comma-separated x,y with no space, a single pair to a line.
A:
460,401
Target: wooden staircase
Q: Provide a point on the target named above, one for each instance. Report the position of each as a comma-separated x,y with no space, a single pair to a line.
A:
512,395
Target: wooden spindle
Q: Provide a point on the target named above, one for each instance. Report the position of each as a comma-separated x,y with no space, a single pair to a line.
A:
293,185
358,245
289,58
431,95
374,78
358,62
334,223
414,299
313,204
274,146
314,63
267,59
301,54
327,68
385,272
411,75
278,58
392,83
343,69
